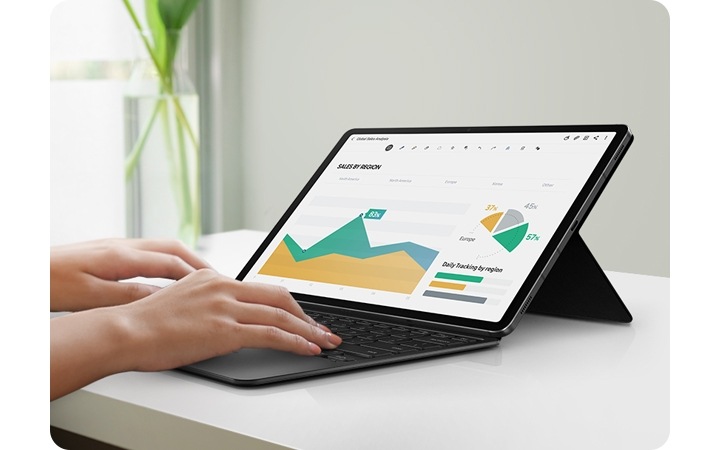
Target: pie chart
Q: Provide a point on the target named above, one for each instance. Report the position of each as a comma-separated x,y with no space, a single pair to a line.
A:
507,228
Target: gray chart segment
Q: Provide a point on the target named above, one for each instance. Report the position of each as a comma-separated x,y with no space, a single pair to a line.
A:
511,218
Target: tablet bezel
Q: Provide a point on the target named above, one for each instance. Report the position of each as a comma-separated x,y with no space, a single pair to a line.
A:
570,223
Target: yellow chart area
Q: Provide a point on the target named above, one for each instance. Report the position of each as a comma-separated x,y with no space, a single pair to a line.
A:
394,272
490,221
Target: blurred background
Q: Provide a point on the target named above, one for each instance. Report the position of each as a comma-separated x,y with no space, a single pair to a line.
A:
279,81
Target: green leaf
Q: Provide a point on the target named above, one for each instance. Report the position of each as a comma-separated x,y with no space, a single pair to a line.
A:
175,13
159,35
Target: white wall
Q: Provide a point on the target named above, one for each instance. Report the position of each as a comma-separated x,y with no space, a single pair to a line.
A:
86,120
313,69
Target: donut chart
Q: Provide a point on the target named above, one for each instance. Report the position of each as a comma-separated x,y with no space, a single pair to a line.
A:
507,228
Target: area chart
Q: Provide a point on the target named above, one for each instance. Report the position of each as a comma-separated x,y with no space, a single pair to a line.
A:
346,257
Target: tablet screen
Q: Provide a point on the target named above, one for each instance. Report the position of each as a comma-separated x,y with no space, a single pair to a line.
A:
442,223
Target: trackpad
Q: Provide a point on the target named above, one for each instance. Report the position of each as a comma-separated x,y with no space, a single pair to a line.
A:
255,364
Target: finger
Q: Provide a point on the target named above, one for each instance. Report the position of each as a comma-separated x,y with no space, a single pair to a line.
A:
260,336
169,247
271,295
150,264
110,293
255,314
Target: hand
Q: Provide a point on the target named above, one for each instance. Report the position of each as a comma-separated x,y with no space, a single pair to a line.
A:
206,314
87,275
201,316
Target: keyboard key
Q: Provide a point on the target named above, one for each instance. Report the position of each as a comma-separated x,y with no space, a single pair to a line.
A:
341,358
419,345
356,340
394,348
362,351
380,332
329,353
437,341
462,340
402,333
394,339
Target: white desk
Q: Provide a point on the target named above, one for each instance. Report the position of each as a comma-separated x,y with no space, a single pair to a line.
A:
552,384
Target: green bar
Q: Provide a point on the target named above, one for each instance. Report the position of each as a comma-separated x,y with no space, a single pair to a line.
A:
458,277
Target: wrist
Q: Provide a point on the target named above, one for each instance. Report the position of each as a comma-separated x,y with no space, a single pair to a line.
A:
132,337
115,341
87,346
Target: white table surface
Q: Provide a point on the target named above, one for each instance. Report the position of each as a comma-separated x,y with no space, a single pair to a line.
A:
552,384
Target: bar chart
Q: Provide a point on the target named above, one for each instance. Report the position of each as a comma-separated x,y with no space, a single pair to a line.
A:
467,288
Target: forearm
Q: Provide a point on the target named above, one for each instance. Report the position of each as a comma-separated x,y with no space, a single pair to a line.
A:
87,346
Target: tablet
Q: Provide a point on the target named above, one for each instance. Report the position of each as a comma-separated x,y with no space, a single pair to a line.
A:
449,225
420,242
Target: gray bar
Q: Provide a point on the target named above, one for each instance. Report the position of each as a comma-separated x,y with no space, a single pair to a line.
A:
451,296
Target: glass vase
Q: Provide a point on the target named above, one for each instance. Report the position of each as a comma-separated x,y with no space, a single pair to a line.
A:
162,169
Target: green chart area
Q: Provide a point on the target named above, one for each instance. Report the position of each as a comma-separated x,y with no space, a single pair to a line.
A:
510,239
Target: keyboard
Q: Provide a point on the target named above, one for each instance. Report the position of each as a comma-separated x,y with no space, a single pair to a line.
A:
365,339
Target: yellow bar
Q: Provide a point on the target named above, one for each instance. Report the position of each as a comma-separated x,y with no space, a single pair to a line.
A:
446,285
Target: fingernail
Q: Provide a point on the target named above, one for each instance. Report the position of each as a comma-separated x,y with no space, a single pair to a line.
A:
314,349
334,339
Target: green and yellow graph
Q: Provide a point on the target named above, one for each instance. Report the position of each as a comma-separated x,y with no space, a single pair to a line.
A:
345,257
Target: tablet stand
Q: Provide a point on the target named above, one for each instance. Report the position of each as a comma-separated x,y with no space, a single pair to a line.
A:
577,287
